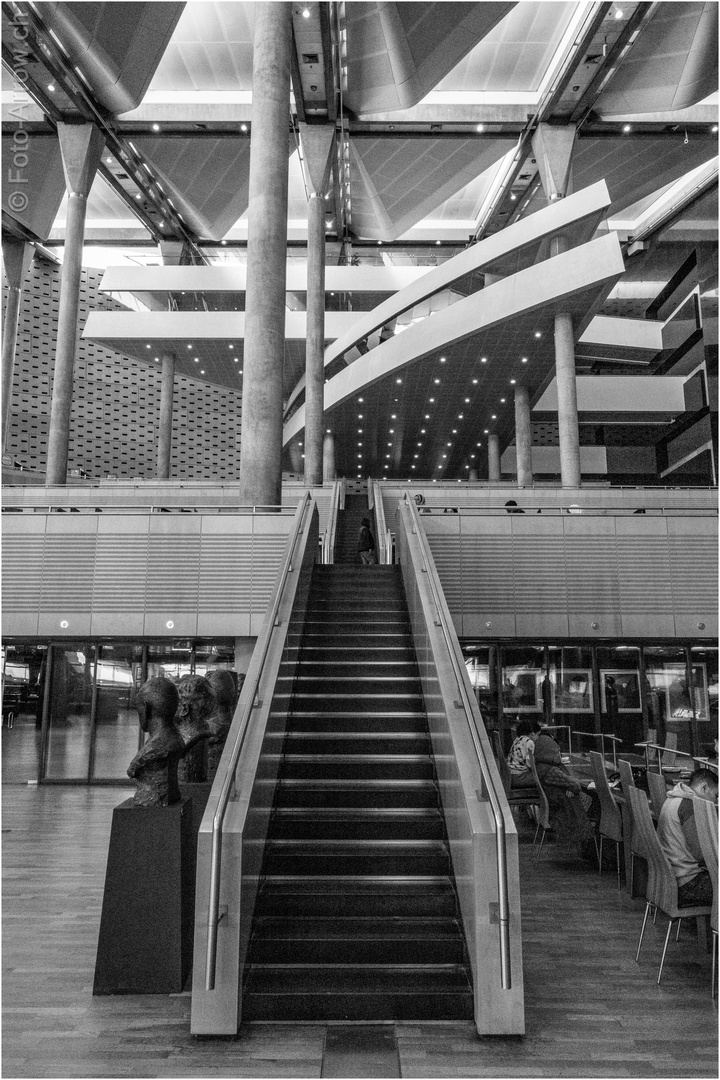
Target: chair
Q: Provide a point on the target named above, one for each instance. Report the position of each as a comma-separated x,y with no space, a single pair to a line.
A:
662,884
706,820
543,806
610,816
658,792
668,758
627,780
515,796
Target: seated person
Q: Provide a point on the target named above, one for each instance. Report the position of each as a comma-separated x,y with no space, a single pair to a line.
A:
519,757
677,833
568,803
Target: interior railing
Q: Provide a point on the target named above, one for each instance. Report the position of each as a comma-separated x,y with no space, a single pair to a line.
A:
384,536
477,816
234,826
603,735
328,545
662,751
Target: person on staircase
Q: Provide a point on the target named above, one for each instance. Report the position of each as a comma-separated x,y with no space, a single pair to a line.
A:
366,544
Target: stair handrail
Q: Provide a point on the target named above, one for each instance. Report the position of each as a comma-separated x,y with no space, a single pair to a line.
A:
384,548
460,673
331,528
250,693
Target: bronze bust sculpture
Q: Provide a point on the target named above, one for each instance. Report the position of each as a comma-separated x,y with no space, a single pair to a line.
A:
155,766
197,702
223,684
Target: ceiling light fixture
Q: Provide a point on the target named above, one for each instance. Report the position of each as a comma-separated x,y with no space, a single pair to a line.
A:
480,128
627,128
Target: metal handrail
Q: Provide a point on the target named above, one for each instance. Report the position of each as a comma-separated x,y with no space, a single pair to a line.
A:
704,761
604,735
573,509
148,508
460,675
251,691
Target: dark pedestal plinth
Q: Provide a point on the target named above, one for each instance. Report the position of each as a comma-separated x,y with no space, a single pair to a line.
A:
146,927
198,795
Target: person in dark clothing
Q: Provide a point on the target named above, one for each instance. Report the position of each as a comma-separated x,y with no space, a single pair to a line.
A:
366,544
568,803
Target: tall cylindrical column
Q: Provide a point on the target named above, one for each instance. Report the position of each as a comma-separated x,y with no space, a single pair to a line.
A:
9,339
261,448
493,456
166,407
567,401
523,437
59,435
328,456
473,475
296,458
315,342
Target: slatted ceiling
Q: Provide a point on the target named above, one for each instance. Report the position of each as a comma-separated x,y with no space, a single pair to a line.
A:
644,574
591,570
67,573
226,572
22,560
120,573
693,592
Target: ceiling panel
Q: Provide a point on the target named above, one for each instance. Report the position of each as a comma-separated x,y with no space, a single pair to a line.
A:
211,49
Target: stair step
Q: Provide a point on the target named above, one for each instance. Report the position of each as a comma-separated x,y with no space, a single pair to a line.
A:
349,684
347,896
372,824
332,794
356,941
357,767
356,857
356,742
415,723
358,992
351,703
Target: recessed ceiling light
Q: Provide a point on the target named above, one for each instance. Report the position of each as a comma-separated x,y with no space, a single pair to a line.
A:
714,129
483,359
437,241
306,13
427,416
627,128
437,382
422,430
538,334
524,360
398,380
502,400
475,382
196,359
147,346
512,382
51,88
243,127
442,359
108,161
236,359
493,417
156,127
431,400
361,399
480,128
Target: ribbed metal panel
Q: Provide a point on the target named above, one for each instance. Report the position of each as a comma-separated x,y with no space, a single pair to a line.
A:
226,573
591,573
22,562
694,573
539,574
644,574
449,568
172,573
267,553
488,581
67,573
120,573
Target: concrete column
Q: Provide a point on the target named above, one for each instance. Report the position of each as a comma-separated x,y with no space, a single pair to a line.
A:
315,342
17,256
473,475
296,458
81,146
493,456
264,353
523,437
166,408
567,401
328,456
553,147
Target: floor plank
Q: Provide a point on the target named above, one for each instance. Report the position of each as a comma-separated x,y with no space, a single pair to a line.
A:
591,1011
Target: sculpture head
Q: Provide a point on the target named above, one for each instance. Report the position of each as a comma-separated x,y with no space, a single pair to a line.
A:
223,685
196,704
157,699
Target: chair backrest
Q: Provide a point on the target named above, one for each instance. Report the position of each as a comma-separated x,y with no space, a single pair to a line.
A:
505,774
706,820
610,816
497,748
626,776
544,805
668,758
662,883
658,791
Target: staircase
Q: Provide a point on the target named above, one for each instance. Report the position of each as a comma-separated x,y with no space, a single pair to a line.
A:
356,917
348,526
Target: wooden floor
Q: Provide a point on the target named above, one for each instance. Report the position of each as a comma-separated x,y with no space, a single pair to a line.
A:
590,1010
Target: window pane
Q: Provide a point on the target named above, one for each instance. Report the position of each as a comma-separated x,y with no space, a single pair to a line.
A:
173,659
572,695
620,702
119,673
70,702
480,661
705,692
670,709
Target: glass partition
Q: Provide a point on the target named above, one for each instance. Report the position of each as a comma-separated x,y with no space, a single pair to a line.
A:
71,691
117,730
621,711
704,666
572,695
173,659
23,683
481,664
670,708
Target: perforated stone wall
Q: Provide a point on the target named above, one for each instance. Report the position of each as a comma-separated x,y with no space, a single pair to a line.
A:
116,400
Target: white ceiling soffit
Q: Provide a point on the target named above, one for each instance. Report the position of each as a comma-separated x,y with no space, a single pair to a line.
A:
397,182
206,179
106,212
672,65
515,54
398,52
31,196
117,46
211,49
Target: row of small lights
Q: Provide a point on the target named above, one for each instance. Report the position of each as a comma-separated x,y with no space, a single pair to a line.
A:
196,359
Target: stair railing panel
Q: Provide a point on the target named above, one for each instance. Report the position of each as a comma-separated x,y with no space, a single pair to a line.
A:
234,827
481,832
331,528
383,540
